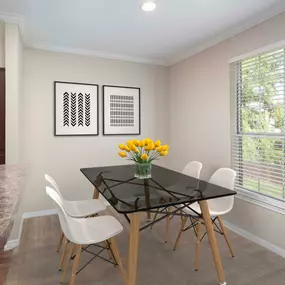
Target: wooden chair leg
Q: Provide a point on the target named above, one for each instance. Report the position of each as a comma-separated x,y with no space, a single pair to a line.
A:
226,236
180,232
109,251
167,225
75,264
67,262
198,232
212,240
115,250
154,219
63,254
60,242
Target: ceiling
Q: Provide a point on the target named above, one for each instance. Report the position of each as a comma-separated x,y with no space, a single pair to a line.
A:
120,29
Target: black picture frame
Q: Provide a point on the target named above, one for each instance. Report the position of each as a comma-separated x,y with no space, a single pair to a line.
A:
54,109
103,111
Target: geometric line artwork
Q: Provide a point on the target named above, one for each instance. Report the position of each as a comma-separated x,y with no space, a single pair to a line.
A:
80,109
87,110
76,109
73,109
121,111
66,109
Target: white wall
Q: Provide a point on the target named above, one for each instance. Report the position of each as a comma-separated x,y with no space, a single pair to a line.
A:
2,44
200,118
13,75
62,157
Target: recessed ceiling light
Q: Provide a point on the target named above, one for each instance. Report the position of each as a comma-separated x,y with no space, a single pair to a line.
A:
148,6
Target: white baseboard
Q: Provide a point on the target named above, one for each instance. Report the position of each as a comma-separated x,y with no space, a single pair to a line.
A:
39,213
11,244
278,250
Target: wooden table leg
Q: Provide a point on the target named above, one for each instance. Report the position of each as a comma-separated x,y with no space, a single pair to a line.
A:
147,197
212,241
96,193
133,247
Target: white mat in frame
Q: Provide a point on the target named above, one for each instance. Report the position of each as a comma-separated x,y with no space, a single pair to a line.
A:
121,110
76,109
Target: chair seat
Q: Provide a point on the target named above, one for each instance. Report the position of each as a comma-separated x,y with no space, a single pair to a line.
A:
196,207
83,208
93,230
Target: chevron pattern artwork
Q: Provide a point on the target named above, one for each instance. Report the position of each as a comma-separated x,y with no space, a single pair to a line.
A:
87,110
73,109
80,109
76,109
65,109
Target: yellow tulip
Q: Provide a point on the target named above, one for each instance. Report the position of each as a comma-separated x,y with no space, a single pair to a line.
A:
157,143
122,154
136,142
164,153
127,149
134,148
147,141
129,143
141,143
159,149
144,156
121,146
165,147
150,146
146,148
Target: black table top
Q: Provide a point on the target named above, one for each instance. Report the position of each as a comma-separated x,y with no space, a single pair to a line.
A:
166,187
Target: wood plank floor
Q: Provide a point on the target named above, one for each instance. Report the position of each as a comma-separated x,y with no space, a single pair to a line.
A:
37,260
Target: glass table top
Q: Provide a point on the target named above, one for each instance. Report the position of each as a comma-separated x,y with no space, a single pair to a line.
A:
166,187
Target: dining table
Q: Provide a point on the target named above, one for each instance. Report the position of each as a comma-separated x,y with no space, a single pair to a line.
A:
167,190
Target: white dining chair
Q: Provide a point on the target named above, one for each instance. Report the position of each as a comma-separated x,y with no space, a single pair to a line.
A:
224,177
76,209
193,169
85,232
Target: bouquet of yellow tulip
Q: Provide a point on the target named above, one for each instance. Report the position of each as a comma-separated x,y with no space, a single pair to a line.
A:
143,151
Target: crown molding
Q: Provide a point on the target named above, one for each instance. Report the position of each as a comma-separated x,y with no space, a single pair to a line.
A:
14,19
95,53
273,11
19,20
11,18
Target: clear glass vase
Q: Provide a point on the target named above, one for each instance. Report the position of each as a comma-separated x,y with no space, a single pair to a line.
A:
143,170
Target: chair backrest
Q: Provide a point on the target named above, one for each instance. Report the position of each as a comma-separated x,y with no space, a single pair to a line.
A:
224,177
193,169
54,185
63,218
52,182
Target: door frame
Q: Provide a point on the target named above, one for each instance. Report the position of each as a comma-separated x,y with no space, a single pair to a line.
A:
3,69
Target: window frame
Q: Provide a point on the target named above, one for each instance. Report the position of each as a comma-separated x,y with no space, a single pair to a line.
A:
255,197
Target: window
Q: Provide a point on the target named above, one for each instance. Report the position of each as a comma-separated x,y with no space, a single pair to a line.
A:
258,144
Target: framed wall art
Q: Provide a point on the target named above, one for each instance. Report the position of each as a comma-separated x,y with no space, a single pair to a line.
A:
75,109
121,110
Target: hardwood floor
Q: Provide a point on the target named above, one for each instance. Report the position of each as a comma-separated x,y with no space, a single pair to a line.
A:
37,260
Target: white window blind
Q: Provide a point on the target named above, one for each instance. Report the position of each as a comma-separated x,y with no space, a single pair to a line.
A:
258,144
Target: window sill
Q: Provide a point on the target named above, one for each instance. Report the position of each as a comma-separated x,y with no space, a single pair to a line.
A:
260,200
